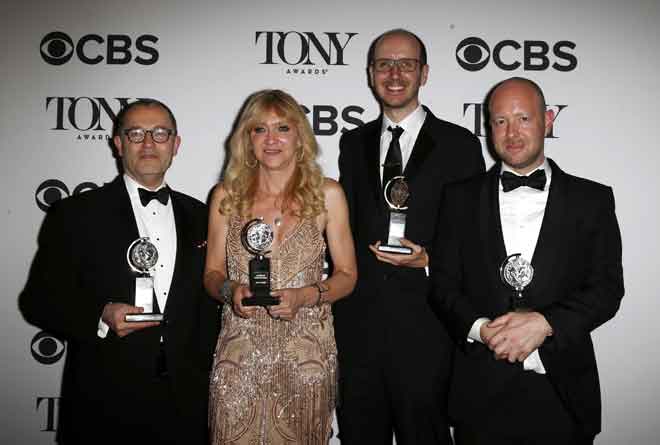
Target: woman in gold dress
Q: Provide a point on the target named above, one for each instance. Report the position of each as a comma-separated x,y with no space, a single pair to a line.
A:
274,375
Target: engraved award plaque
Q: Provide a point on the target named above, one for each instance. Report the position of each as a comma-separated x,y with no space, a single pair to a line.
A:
142,256
257,237
517,272
396,195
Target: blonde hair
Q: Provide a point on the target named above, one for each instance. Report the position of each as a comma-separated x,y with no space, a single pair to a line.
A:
303,195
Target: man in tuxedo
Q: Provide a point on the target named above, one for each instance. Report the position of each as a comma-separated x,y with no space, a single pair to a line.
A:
524,369
126,380
394,355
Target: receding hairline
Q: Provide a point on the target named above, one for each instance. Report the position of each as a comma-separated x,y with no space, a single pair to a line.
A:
421,48
538,92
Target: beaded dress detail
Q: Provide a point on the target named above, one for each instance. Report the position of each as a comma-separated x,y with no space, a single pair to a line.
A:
274,381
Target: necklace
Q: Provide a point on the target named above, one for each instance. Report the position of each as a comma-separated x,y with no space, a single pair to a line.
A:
277,221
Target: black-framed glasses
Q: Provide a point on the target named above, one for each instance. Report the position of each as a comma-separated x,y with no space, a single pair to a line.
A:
158,134
405,65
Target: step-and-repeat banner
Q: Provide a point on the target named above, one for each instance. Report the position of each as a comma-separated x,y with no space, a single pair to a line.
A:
68,67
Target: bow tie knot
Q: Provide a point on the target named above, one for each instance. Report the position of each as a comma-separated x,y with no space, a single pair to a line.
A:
511,181
161,195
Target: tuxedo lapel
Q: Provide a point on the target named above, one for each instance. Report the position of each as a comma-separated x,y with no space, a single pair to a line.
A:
372,153
183,250
546,254
423,146
491,231
121,221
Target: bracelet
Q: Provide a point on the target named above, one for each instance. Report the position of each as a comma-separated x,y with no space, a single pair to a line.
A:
319,301
226,293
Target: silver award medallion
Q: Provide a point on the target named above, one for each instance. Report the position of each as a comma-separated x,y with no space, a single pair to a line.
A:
257,237
396,194
142,256
517,272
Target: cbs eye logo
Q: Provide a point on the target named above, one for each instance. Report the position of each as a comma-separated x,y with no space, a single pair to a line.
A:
46,348
56,48
53,190
472,54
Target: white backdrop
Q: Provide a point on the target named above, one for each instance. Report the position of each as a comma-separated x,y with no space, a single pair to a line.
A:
212,55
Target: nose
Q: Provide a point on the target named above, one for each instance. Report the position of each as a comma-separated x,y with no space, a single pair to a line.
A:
270,137
512,129
148,139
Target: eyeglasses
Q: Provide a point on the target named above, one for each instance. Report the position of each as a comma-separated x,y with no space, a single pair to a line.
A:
158,134
405,65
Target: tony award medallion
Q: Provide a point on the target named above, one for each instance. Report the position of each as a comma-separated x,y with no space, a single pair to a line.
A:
517,272
142,256
396,195
257,237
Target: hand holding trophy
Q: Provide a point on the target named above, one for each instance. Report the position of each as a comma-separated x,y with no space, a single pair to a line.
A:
396,193
257,237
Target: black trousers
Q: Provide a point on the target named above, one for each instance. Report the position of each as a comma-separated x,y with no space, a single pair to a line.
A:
394,381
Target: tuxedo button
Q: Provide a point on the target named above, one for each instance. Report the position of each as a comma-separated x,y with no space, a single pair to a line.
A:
386,276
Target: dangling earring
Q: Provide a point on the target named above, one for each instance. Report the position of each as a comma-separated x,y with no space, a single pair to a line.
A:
301,155
249,164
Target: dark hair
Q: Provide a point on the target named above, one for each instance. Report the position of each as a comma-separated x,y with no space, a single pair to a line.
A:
537,89
120,120
399,31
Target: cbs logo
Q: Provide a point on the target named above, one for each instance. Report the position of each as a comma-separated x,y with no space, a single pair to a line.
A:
46,348
473,54
57,48
53,190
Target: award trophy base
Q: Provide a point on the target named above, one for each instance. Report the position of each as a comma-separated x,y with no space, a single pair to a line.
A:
395,249
265,300
143,317
260,284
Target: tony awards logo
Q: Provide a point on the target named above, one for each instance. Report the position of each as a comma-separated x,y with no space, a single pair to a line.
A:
396,193
257,237
517,272
142,256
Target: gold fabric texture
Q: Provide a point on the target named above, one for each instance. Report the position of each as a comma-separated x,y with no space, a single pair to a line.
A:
274,381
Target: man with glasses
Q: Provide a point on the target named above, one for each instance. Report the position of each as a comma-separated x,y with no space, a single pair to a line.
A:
136,381
394,353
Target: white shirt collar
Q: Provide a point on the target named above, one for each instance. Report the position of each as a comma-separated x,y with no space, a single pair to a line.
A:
132,186
413,120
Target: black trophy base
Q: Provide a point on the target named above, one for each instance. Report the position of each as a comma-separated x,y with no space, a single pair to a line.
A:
264,300
401,250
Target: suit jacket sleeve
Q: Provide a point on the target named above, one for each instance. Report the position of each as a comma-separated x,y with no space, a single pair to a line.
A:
346,175
447,298
574,316
52,298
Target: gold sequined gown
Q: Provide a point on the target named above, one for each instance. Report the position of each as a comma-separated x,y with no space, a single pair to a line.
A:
274,381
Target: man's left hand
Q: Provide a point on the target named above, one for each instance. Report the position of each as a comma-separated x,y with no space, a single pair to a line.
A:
418,257
520,334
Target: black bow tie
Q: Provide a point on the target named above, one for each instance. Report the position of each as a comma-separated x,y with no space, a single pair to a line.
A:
535,180
161,195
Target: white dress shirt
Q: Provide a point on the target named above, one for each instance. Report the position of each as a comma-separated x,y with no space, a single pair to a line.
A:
411,125
155,221
521,215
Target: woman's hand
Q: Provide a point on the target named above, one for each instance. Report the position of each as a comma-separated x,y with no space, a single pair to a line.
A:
290,301
242,291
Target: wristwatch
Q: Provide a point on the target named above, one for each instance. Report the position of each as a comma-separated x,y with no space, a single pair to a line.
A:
226,293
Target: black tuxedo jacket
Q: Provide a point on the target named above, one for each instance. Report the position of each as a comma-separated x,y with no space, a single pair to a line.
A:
577,286
386,295
79,267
